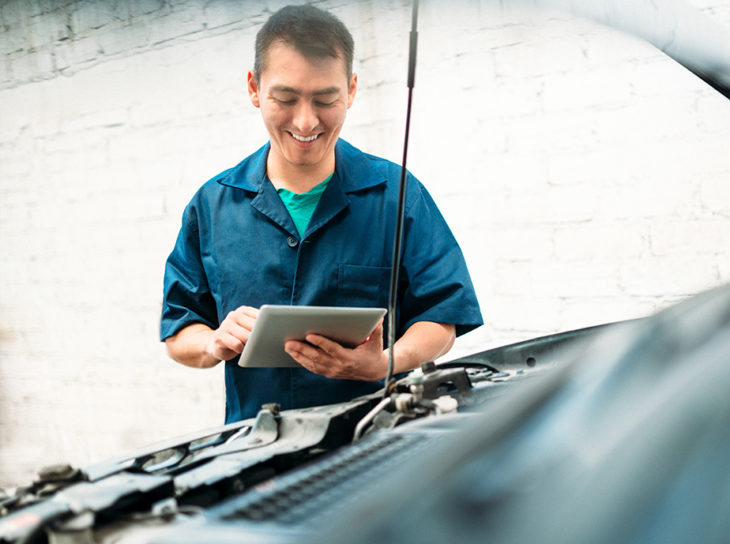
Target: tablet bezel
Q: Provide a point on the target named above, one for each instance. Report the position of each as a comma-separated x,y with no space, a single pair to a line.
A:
277,323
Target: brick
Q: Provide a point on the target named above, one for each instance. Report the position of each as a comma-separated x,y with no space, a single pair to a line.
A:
576,279
14,36
141,8
24,65
586,89
15,163
514,279
519,96
528,315
46,28
46,61
676,275
715,195
100,119
698,237
513,17
11,12
185,20
520,61
607,47
569,132
42,7
73,54
713,115
578,313
116,38
657,118
553,205
523,244
647,77
537,55
221,12
595,165
27,109
601,243
90,15
723,267
640,197
566,52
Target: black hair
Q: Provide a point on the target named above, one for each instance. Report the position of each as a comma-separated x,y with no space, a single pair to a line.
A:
313,32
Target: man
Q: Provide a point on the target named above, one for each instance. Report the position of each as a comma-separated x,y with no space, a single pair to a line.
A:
309,220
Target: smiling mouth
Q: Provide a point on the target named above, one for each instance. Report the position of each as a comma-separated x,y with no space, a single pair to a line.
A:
304,139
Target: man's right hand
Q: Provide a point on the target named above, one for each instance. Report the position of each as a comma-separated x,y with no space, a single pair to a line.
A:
199,346
228,340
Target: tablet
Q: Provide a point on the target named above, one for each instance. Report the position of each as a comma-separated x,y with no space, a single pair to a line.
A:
276,324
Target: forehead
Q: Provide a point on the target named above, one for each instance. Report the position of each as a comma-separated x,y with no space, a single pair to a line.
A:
285,65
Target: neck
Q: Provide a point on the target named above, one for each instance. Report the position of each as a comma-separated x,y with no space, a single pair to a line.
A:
298,178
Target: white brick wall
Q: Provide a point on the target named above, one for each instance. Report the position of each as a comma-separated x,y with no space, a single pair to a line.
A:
584,173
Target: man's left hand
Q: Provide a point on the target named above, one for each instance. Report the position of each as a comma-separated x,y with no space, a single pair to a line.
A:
326,357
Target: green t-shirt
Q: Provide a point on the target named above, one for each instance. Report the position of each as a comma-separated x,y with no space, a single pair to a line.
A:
301,205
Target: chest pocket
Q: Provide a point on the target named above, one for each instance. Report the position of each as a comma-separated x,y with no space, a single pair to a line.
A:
363,285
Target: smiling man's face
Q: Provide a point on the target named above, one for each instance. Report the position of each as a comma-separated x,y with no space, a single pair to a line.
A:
303,102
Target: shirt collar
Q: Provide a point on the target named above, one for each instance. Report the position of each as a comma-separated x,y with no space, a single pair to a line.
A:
352,169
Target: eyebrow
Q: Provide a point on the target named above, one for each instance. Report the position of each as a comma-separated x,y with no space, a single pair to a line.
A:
287,89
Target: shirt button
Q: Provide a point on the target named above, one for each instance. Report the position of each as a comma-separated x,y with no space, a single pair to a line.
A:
292,241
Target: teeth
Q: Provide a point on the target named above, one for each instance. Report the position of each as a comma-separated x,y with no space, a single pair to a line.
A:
303,139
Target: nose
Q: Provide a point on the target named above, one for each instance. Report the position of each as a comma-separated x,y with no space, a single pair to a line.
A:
305,117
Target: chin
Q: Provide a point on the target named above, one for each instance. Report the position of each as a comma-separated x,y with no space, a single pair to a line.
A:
306,157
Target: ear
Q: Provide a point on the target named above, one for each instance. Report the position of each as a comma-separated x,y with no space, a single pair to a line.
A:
253,89
352,91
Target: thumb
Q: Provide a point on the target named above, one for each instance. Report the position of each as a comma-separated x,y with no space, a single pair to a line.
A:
377,335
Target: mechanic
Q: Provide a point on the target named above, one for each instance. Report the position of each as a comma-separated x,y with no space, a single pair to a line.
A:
308,219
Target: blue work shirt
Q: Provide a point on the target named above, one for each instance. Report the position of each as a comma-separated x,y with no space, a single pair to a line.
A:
238,246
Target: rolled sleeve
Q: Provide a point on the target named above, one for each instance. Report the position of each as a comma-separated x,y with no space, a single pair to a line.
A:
438,286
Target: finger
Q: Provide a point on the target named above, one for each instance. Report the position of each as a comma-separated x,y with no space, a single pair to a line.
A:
297,351
249,311
224,346
229,328
232,342
302,349
377,335
243,319
330,347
